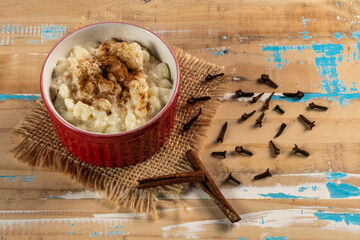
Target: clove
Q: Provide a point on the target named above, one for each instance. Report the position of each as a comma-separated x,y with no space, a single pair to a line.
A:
232,178
263,175
194,100
240,93
192,120
255,99
275,149
298,94
313,105
245,116
222,133
303,152
265,78
240,149
279,109
210,77
282,127
311,124
259,121
222,154
267,102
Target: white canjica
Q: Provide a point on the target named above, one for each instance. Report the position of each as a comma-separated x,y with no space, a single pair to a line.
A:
110,87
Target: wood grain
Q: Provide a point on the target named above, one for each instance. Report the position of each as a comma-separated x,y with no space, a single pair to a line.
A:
40,204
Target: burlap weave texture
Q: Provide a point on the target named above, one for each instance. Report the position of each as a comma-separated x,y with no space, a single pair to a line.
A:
40,147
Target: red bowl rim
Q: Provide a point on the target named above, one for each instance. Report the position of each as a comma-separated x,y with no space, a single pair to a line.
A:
125,133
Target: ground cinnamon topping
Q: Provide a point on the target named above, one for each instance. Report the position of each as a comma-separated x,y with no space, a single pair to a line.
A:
118,78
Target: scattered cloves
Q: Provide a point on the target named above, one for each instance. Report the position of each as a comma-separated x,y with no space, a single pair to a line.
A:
232,178
240,149
279,109
303,152
307,121
282,127
263,175
222,154
194,100
313,105
265,78
275,149
191,121
222,133
210,77
245,116
260,119
255,99
240,93
298,94
267,102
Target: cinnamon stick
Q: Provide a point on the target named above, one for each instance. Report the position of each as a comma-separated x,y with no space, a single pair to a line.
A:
210,188
196,176
200,175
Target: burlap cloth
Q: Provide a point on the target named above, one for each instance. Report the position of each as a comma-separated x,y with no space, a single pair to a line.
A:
40,147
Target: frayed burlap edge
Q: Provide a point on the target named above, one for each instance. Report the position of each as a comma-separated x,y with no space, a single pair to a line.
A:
124,195
36,154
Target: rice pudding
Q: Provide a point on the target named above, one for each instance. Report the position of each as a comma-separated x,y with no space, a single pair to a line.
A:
110,87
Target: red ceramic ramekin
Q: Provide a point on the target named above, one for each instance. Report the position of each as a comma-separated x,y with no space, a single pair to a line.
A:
115,149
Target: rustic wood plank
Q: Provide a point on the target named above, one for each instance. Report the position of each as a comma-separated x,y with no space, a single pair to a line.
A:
43,193
243,36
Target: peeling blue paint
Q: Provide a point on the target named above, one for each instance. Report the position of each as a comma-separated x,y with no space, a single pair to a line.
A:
241,238
356,35
279,51
348,218
337,175
339,36
353,87
276,238
12,178
328,57
305,35
283,196
342,190
108,232
327,62
342,98
45,32
313,187
29,97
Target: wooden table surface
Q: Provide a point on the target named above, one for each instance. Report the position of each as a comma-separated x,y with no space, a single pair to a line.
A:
312,46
